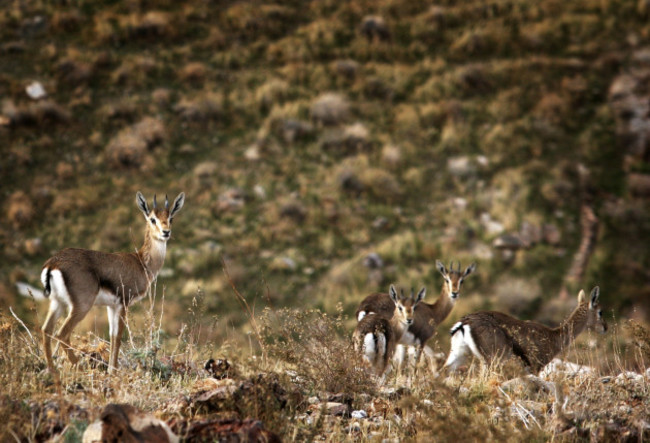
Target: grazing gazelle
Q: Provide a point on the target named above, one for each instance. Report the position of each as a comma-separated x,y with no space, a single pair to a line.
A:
376,336
427,316
78,279
490,335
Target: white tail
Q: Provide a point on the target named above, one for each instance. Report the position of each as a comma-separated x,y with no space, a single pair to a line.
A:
75,280
489,335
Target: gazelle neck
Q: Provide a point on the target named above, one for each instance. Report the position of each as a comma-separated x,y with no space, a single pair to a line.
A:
443,305
152,254
570,328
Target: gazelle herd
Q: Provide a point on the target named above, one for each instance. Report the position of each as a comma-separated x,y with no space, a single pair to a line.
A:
75,280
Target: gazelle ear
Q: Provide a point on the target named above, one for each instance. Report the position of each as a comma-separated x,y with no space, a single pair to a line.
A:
393,293
421,295
142,203
441,268
581,297
469,269
178,204
595,293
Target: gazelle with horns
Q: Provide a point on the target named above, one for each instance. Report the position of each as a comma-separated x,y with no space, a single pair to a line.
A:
376,336
427,316
489,335
78,279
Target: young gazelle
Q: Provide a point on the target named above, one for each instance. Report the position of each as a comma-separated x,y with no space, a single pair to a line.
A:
376,336
427,316
490,335
78,279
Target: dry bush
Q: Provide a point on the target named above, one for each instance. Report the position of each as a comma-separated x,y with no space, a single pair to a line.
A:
317,348
272,92
129,148
205,106
330,109
20,209
193,73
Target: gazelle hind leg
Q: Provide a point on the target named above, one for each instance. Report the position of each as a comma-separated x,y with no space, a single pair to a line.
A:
55,311
63,336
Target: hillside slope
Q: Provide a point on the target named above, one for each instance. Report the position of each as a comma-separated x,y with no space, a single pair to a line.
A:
308,135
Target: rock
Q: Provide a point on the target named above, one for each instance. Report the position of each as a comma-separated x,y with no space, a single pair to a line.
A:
122,422
231,200
564,368
510,242
492,227
461,166
347,69
331,408
359,414
374,28
283,264
293,130
36,91
373,261
330,109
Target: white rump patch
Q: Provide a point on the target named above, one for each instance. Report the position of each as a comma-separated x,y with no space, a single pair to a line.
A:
369,351
461,345
59,289
470,341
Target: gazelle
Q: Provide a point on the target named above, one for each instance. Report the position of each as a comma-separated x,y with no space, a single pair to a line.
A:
376,336
78,279
490,335
427,316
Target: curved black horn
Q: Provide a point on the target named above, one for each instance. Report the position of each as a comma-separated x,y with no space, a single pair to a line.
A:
154,201
166,202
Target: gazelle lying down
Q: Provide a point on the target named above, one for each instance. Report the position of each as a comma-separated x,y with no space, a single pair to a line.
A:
489,335
376,336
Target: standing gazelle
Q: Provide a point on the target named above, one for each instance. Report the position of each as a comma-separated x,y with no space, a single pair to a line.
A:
78,279
376,336
490,335
427,316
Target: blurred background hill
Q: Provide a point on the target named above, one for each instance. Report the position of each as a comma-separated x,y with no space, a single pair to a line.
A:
328,149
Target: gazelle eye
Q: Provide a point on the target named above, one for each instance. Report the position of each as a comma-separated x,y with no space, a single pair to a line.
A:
600,313
153,220
400,308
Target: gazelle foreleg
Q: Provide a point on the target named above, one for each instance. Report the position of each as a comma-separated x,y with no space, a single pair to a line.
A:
116,328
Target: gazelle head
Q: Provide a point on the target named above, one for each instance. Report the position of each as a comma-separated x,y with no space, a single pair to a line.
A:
595,320
404,305
159,219
454,277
